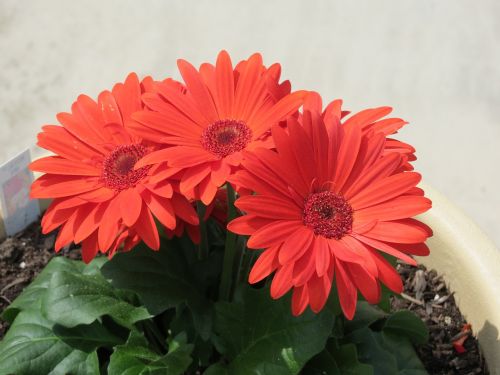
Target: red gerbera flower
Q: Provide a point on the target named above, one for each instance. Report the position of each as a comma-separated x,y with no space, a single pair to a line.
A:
328,202
100,200
216,210
370,120
223,112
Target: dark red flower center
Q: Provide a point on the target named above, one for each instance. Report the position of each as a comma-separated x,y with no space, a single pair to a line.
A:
225,137
327,214
118,168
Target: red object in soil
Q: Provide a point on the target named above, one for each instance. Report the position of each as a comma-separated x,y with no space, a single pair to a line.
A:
458,344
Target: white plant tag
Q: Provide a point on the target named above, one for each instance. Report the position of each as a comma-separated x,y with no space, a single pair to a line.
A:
18,210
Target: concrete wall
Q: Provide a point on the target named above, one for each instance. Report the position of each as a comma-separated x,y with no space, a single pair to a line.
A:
437,62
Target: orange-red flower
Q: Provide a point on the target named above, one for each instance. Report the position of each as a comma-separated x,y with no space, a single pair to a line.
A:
100,200
216,210
222,112
371,121
328,202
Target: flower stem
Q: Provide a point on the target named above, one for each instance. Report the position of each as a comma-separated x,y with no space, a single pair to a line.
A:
157,339
229,251
245,263
203,253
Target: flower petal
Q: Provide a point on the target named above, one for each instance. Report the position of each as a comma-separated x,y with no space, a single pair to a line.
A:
270,207
130,206
161,208
273,234
295,245
266,264
347,291
385,189
247,224
61,166
145,227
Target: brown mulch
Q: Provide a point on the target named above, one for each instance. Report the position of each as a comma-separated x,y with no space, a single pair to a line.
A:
23,256
427,296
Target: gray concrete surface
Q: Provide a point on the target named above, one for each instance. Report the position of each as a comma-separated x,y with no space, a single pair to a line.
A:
437,62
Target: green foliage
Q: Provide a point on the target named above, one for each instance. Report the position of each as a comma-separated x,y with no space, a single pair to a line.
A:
30,297
167,278
386,353
73,299
135,358
166,270
374,342
67,314
405,323
260,336
216,369
34,345
366,315
149,312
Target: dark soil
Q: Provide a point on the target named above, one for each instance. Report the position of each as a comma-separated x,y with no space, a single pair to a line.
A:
427,296
23,256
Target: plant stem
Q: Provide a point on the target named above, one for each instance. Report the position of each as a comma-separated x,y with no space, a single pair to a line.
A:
229,251
158,340
245,263
201,208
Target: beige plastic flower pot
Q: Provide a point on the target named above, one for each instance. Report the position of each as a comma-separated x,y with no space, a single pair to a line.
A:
470,263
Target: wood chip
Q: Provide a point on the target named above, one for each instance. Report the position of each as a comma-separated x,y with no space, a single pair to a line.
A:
6,299
14,283
442,299
411,299
440,286
419,284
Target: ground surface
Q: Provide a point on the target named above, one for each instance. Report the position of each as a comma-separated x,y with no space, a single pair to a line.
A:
23,256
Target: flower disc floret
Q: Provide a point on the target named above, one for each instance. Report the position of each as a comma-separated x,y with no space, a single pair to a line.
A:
328,214
224,137
118,170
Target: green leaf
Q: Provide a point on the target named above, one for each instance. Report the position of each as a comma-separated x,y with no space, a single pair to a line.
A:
142,268
346,356
162,280
32,294
403,351
365,315
183,322
217,369
260,336
323,364
135,358
76,363
385,298
407,324
34,346
74,299
371,352
387,353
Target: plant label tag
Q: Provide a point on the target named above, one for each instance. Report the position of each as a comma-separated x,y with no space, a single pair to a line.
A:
18,210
